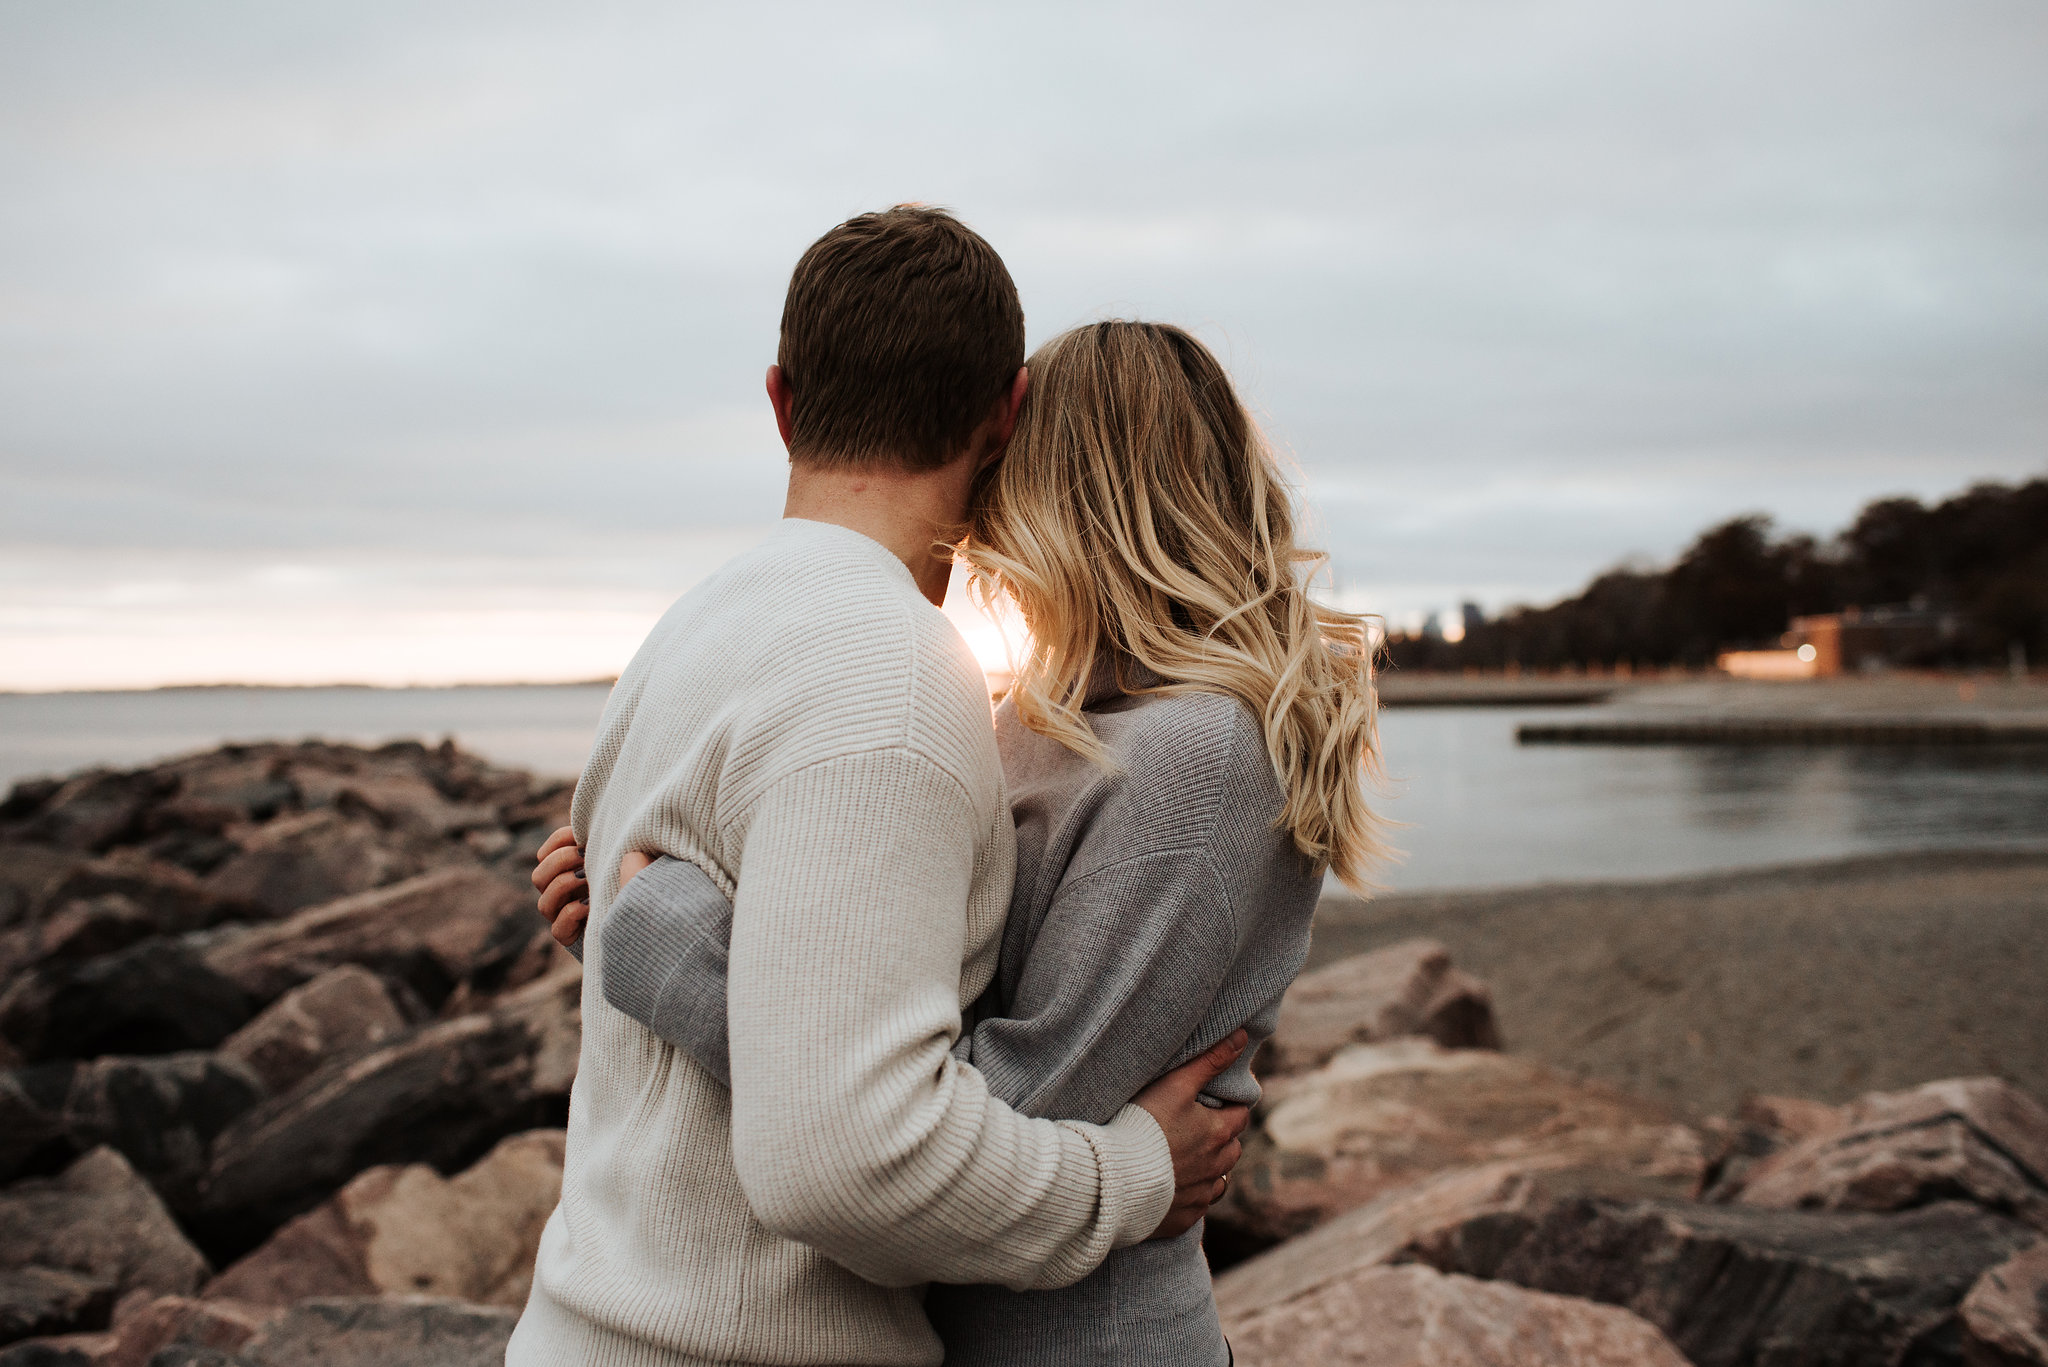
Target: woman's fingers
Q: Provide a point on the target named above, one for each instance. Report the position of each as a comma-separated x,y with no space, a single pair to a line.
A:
558,837
570,923
568,859
565,889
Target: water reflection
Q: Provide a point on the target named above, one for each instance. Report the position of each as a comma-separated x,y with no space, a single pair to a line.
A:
1477,809
1480,810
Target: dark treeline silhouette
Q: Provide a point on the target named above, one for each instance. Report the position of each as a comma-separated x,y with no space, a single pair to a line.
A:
1982,556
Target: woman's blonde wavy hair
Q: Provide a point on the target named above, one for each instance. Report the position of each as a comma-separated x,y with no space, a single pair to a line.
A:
1139,516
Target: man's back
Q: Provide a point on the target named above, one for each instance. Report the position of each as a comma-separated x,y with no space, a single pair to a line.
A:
806,710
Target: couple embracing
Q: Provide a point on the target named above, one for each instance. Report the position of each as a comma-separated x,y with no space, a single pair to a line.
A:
909,1037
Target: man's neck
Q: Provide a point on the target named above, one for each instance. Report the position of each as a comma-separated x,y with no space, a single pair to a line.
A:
908,511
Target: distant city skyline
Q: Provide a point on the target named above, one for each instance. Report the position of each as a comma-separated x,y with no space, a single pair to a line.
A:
421,343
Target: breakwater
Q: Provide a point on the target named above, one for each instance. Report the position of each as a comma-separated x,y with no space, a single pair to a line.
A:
1807,730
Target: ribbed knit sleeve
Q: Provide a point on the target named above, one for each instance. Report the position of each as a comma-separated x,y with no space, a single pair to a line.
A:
854,1129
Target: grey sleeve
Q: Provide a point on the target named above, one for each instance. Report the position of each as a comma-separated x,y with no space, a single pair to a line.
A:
666,939
1121,973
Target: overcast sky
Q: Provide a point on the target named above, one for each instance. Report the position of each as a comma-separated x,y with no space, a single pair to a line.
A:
412,341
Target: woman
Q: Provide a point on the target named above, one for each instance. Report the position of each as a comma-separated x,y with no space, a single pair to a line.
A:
1185,746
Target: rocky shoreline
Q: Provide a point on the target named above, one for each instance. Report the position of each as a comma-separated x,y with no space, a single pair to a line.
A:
285,1053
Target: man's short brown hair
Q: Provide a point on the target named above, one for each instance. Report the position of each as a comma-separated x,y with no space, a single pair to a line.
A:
901,331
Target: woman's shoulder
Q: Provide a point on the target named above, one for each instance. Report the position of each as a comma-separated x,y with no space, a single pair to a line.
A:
1187,763
1185,737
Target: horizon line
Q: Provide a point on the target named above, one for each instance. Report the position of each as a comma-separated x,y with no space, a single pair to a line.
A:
605,680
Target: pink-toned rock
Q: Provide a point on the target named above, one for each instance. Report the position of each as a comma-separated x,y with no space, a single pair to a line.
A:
335,1016
1977,1138
410,1231
1410,988
1792,1119
144,1330
1418,1317
1441,1221
2005,1316
440,1094
1380,1116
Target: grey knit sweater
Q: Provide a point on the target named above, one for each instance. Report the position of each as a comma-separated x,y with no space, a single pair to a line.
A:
1156,909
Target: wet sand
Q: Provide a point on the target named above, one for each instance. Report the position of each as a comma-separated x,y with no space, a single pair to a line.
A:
1819,980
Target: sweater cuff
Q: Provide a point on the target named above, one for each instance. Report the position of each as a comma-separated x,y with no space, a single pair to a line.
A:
1137,1175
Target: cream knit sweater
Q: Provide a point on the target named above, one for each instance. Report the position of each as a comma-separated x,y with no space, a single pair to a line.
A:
811,732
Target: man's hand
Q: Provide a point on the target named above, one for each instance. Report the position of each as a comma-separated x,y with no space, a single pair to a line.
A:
1203,1140
564,892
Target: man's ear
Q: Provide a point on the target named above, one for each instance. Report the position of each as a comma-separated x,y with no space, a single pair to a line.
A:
783,399
1006,420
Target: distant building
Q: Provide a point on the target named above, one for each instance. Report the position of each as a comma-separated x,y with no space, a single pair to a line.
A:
1860,640
1866,639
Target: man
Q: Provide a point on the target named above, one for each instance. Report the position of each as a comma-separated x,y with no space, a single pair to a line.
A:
808,729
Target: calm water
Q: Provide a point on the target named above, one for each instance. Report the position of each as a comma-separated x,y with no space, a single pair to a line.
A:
1478,809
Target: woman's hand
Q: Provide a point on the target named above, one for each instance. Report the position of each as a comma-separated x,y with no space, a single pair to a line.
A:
564,891
630,863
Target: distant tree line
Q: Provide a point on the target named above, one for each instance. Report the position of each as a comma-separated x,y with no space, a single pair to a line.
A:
1982,555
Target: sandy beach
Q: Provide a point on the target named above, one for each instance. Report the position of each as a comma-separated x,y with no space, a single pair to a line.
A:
1820,980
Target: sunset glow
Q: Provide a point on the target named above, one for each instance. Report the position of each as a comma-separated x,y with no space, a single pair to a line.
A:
998,641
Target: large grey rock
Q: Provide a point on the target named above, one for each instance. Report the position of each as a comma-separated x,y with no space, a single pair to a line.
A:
409,1230
71,1245
162,1114
1978,1139
441,1095
390,1332
1410,988
2005,1316
1738,1286
431,932
1417,1317
334,1017
1380,1116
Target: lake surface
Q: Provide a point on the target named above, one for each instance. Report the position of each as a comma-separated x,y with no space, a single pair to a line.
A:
1477,809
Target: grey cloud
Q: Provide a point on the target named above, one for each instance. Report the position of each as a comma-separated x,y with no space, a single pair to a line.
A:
1525,289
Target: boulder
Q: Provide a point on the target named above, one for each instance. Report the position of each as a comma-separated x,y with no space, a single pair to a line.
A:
1979,1139
1418,1317
161,1114
1410,988
1761,1127
1445,1221
431,933
91,811
313,857
336,1016
73,1244
410,1331
1380,1116
1773,1288
408,1230
2005,1316
155,997
442,1094
38,1300
147,1332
